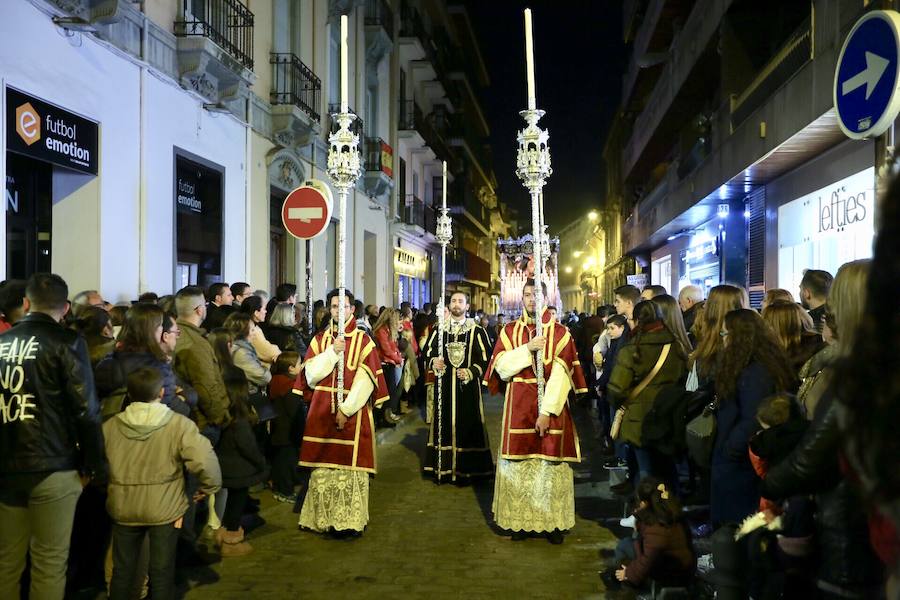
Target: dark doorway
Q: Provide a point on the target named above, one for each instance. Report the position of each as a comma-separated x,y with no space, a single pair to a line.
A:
29,212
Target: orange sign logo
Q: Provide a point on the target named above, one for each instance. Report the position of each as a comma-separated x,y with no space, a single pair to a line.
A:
28,123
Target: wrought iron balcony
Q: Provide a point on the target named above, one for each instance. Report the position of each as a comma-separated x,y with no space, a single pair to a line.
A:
463,265
378,158
227,23
379,13
295,83
415,212
410,115
411,24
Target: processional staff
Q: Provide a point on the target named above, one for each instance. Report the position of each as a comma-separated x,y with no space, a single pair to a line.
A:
533,168
443,234
344,168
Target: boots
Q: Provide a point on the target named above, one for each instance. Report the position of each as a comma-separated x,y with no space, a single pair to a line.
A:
233,543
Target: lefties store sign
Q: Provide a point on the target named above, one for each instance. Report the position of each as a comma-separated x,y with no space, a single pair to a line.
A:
47,132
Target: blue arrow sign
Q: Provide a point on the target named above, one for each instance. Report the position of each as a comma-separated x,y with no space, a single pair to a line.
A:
867,76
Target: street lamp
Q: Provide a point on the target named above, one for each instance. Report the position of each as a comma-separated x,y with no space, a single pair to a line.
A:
592,216
568,269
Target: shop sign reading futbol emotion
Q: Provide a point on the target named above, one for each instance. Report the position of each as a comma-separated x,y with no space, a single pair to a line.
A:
49,133
867,76
306,211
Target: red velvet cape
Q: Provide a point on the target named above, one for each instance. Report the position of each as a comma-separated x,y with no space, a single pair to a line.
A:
520,411
353,448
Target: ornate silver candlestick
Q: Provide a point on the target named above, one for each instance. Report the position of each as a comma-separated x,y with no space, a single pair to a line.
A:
533,168
443,234
344,168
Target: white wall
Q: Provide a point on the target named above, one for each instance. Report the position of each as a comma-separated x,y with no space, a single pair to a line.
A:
115,232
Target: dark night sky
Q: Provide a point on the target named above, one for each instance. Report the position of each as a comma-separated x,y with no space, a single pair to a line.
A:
579,60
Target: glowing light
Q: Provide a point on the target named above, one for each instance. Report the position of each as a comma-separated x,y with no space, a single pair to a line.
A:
568,269
746,214
577,253
592,215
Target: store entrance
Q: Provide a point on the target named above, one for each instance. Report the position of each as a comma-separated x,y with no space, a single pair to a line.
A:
29,211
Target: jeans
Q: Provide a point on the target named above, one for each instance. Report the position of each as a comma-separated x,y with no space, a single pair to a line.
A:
644,461
127,543
234,508
624,551
37,519
392,375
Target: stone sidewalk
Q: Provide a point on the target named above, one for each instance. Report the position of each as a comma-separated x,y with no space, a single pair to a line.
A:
423,541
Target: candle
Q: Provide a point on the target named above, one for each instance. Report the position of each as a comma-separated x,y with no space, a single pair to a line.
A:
529,60
344,86
444,190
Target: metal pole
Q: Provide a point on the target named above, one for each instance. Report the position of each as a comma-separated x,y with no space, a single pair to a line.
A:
309,289
443,234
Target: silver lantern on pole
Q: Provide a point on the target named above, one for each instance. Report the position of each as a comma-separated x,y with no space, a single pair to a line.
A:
533,168
443,234
344,167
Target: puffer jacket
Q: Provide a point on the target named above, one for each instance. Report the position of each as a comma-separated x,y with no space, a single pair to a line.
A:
195,363
245,359
51,419
633,363
148,447
847,558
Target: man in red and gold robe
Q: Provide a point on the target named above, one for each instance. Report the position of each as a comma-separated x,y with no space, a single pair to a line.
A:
535,486
339,439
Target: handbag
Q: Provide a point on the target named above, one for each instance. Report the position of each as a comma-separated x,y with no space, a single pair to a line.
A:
620,412
700,435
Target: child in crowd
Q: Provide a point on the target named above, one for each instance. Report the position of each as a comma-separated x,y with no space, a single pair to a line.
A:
288,425
661,548
243,465
148,447
615,329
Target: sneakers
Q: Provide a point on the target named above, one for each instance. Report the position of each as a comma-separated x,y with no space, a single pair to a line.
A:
627,522
614,463
286,498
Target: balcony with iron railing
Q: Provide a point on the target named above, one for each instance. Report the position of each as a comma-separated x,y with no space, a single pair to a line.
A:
416,212
214,48
295,84
789,59
464,265
227,23
378,162
379,14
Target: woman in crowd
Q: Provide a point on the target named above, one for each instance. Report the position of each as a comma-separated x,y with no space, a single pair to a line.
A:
722,300
753,366
869,380
776,295
266,351
674,321
94,324
321,318
385,332
147,339
650,361
282,330
794,330
848,568
241,326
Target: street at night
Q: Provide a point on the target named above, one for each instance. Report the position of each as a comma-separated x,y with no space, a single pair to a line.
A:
450,299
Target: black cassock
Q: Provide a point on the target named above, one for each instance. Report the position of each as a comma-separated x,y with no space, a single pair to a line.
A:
465,451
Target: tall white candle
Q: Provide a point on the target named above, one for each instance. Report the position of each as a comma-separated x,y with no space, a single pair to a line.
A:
444,190
344,85
529,60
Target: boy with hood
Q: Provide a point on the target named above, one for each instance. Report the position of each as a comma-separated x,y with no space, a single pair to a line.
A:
148,446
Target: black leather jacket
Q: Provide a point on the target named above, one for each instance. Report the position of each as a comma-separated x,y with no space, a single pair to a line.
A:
49,417
847,558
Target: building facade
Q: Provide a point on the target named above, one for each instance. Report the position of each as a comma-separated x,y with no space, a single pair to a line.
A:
200,116
732,165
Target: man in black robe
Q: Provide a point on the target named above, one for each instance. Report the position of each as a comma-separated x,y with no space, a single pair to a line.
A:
464,448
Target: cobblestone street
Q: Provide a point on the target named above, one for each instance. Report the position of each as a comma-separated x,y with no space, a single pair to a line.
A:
422,541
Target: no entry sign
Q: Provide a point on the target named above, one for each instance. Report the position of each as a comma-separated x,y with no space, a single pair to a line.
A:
306,211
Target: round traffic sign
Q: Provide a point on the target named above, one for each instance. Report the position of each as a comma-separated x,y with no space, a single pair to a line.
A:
867,78
306,211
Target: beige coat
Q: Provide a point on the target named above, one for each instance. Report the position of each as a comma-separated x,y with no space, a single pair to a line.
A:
148,446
